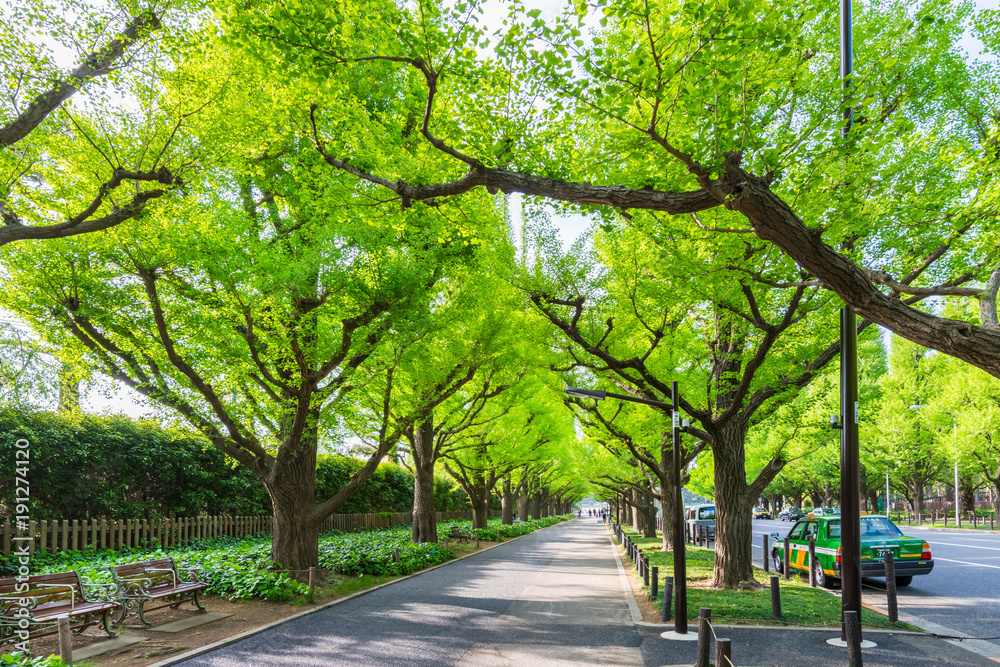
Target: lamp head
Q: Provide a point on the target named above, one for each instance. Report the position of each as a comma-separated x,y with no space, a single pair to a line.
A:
596,394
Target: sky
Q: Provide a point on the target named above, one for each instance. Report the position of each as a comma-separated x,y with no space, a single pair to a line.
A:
108,397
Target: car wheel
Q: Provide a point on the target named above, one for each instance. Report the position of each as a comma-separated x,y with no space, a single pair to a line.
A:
821,579
776,557
904,581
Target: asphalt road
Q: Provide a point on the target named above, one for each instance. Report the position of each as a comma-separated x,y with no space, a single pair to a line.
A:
555,598
961,593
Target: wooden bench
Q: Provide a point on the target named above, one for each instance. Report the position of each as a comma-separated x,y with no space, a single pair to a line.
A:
459,534
45,598
149,580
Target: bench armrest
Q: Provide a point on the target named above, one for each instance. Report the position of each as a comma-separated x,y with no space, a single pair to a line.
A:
135,585
13,601
192,575
172,571
97,592
72,592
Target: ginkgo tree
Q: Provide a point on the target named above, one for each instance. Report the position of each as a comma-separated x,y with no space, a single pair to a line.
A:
248,307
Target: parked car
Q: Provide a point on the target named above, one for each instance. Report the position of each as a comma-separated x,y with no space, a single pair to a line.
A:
791,514
761,513
879,535
701,515
820,511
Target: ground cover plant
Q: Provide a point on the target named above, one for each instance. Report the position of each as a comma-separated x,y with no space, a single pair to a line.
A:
239,568
800,603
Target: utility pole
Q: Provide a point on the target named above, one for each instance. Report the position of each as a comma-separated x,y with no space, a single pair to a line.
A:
850,466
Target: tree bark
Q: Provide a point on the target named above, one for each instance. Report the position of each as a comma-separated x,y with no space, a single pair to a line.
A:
295,530
507,501
536,506
422,443
733,505
649,522
667,510
522,506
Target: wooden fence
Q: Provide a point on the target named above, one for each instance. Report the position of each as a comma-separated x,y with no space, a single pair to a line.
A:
118,534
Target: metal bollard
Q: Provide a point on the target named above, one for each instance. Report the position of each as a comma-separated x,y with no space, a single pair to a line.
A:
788,568
775,598
890,587
668,595
312,577
723,653
704,634
65,642
853,639
645,570
812,563
767,566
655,583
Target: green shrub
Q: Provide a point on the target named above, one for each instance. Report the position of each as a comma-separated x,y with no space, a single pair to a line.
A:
83,466
389,489
23,660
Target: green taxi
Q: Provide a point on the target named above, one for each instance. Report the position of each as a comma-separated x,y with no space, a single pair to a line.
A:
879,535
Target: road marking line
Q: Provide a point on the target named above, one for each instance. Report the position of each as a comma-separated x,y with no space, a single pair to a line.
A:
965,562
967,546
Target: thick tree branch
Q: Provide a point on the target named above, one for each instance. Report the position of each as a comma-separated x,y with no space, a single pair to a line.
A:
94,65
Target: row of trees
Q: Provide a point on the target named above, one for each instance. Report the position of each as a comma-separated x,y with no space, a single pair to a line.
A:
312,248
921,414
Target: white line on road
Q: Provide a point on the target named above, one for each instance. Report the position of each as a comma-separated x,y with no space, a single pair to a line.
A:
967,546
965,562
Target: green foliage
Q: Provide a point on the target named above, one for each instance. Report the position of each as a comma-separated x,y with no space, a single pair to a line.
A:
22,660
448,495
389,489
84,467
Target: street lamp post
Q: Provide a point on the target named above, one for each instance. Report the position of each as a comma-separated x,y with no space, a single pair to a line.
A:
680,564
954,432
887,494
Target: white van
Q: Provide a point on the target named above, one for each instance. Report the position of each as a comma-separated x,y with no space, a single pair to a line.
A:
701,515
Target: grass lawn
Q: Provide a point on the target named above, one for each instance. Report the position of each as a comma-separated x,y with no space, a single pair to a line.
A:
800,604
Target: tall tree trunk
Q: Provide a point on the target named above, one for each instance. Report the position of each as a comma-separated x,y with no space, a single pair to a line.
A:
667,512
649,516
295,533
507,501
536,506
422,443
636,513
522,506
733,520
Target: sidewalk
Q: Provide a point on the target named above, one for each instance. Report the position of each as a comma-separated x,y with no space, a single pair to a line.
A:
555,598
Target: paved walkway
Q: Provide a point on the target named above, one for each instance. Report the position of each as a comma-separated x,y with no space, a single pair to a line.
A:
552,598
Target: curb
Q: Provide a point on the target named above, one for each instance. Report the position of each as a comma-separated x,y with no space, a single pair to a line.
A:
208,648
971,531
